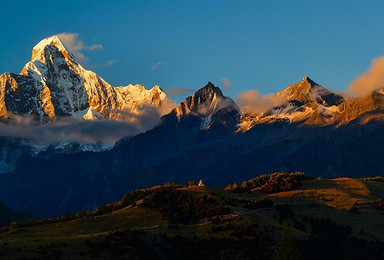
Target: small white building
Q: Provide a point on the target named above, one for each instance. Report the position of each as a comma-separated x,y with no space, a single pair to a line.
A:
201,184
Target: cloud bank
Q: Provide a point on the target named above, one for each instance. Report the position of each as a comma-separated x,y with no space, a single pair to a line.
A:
370,80
75,130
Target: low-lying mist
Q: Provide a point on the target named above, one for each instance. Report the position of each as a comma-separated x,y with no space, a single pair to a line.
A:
80,131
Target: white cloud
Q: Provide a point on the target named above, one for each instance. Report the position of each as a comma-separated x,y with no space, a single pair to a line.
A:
75,45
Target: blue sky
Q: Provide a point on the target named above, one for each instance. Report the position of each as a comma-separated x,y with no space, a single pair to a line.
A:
263,45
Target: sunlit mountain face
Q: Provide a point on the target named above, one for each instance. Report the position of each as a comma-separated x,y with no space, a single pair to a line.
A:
71,141
54,94
53,84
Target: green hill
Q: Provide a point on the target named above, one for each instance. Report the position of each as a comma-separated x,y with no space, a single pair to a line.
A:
278,216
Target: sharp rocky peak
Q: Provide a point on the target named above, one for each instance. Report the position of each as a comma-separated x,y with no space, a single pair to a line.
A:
207,96
208,91
308,90
50,44
308,80
207,108
305,86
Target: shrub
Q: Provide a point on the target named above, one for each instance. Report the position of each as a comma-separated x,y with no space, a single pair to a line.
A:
182,207
270,183
235,188
376,178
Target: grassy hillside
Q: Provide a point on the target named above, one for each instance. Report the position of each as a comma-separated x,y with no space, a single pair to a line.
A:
280,216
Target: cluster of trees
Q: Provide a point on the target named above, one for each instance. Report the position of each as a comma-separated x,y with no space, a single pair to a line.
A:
377,178
270,183
182,207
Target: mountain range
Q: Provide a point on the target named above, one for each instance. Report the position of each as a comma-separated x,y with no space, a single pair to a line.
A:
305,127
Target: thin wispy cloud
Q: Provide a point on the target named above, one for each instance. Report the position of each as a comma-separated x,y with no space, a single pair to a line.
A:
158,65
179,91
94,47
75,45
109,63
226,83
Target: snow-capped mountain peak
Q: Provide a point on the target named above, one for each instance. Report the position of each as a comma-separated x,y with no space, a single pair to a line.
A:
309,91
48,44
53,84
208,108
207,100
305,102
